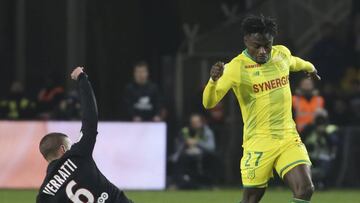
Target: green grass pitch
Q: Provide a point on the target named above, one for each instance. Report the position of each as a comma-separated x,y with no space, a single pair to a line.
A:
203,196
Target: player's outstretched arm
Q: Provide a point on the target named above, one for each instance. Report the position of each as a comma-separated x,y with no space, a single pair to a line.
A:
88,108
298,64
217,86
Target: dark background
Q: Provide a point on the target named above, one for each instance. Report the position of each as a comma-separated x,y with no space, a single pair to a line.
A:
118,34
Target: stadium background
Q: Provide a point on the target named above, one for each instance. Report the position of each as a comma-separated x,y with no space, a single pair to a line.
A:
180,39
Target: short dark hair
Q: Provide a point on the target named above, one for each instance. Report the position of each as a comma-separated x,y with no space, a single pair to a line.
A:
259,24
141,64
50,143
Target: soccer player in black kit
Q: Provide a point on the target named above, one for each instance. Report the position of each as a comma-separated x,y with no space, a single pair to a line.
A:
72,175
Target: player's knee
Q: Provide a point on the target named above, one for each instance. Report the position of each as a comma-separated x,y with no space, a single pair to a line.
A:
304,191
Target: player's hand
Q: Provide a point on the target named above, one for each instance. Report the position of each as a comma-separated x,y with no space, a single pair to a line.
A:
217,70
76,72
314,75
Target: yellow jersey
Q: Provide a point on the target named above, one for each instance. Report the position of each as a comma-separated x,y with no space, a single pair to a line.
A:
262,90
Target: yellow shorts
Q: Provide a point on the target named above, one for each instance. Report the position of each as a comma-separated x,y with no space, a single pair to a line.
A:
262,155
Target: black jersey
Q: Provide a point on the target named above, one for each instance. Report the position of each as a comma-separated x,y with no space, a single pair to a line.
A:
75,177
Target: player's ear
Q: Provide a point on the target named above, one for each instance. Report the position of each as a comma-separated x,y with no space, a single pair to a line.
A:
63,149
246,40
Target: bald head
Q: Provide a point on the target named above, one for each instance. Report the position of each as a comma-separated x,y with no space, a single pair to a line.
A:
54,145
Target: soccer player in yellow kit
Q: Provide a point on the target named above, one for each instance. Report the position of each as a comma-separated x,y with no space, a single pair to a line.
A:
259,77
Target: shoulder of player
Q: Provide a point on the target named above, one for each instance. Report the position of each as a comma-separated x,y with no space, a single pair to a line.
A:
235,63
40,194
76,151
42,186
282,49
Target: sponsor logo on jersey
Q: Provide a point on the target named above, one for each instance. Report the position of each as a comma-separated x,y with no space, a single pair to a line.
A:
253,66
104,196
271,84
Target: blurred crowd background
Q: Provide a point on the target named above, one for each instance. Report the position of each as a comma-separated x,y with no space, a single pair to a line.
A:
149,61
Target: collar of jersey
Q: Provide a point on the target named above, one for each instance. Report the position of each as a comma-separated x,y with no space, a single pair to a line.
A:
246,53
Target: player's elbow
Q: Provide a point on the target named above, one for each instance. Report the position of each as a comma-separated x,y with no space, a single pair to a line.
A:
208,105
209,100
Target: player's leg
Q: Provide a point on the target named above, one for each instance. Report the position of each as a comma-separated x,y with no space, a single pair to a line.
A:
299,181
293,166
252,195
256,170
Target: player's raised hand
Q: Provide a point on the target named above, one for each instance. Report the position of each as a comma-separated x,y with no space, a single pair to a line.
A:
217,70
314,75
76,72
